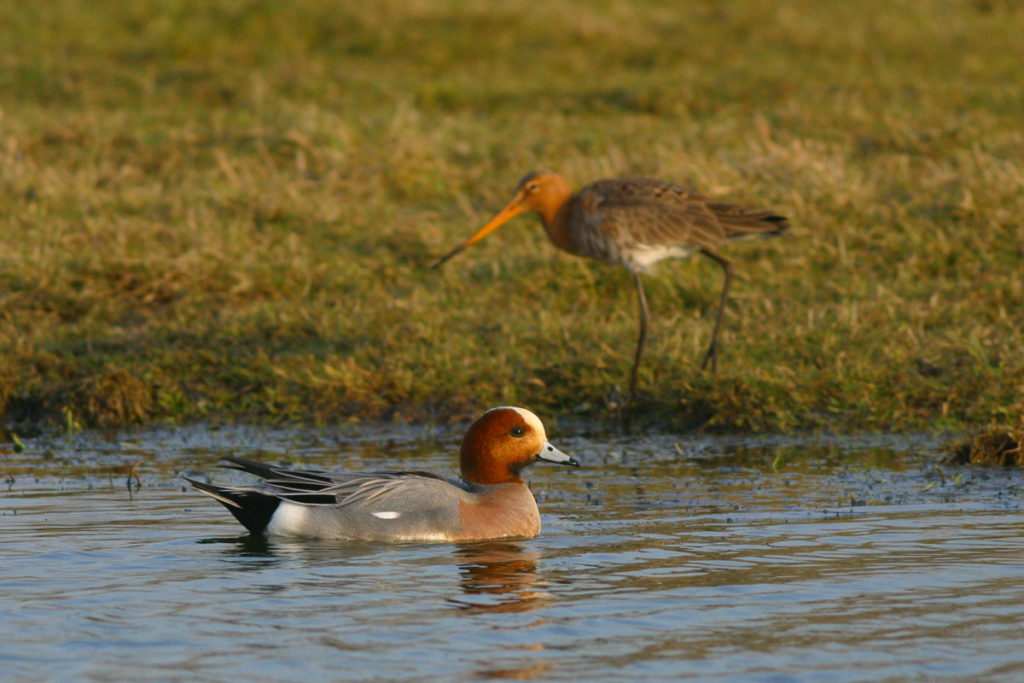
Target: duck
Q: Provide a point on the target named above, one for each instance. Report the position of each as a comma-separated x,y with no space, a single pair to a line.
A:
490,501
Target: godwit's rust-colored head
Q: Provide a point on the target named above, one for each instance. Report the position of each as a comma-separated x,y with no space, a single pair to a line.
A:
542,191
502,442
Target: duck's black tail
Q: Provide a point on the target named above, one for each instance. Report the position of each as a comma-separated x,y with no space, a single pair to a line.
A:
251,507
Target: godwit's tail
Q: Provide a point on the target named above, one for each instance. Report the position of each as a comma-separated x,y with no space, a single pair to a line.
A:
741,223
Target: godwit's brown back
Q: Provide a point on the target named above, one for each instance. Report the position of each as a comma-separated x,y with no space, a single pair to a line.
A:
637,222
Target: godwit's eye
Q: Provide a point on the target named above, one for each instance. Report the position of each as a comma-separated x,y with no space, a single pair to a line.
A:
517,431
532,187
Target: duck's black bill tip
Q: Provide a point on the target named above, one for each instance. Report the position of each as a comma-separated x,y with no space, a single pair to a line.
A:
572,462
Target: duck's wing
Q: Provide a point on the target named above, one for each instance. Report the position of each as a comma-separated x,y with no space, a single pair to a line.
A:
358,505
316,487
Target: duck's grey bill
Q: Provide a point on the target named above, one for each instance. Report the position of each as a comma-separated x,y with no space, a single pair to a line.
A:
552,454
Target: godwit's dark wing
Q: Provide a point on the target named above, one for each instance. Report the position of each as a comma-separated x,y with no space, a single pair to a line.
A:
642,213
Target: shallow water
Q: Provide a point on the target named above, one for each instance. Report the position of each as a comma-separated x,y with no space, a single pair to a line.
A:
818,558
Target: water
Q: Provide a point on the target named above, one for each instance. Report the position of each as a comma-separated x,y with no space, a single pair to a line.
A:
663,558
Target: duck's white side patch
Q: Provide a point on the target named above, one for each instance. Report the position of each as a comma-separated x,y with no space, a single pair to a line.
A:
288,518
386,515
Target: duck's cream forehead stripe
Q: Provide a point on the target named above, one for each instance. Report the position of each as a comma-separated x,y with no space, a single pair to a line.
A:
527,416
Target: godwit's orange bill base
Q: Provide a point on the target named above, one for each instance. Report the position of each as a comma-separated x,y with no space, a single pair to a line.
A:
635,222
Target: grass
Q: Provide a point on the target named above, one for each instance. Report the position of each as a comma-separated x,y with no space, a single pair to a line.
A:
226,210
996,447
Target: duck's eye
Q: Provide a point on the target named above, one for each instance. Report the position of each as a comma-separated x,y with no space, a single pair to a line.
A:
517,431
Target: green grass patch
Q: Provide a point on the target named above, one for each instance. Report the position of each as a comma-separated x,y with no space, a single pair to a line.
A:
227,210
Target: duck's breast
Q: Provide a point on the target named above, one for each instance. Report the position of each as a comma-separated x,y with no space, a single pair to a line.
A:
499,511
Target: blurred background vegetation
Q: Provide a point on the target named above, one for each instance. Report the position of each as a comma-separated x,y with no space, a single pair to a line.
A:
225,210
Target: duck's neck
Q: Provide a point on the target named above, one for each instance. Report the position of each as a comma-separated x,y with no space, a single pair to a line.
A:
484,472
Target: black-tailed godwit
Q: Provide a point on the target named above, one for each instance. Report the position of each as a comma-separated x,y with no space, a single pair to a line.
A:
635,223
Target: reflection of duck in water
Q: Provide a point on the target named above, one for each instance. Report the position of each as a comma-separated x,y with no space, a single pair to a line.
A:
491,501
503,570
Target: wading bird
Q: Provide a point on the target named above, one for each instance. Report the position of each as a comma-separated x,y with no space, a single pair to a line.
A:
635,223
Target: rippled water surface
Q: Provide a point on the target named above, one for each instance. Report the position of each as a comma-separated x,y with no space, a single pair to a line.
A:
664,557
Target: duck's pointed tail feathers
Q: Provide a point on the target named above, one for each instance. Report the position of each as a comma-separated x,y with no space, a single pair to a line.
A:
251,507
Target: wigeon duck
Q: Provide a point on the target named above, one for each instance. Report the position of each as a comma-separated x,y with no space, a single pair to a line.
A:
490,502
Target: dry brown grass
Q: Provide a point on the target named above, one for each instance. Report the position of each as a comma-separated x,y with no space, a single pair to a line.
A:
995,446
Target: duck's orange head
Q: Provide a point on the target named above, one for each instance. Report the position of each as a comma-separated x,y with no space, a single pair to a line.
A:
501,443
542,191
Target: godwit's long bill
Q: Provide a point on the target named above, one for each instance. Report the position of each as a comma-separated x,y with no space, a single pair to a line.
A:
635,223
